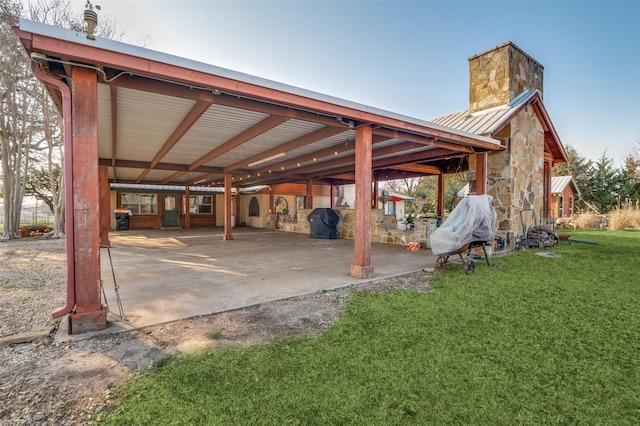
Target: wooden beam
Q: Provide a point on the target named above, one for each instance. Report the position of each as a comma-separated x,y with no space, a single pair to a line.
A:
131,164
419,168
390,133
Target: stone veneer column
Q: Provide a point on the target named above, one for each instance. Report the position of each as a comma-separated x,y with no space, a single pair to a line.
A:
515,175
499,75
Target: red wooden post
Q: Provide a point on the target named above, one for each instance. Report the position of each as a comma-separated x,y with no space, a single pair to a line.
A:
187,207
227,208
441,194
374,204
90,314
481,173
308,200
362,245
105,207
546,200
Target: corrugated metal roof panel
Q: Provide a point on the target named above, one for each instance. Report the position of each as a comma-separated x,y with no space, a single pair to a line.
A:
485,122
215,127
146,120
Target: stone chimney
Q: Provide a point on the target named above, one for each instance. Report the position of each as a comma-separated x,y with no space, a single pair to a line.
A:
499,75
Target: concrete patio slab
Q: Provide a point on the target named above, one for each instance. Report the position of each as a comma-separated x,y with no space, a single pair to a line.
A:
170,274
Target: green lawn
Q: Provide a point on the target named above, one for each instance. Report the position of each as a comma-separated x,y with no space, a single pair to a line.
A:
534,341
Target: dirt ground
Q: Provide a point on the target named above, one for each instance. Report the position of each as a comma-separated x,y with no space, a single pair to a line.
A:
71,383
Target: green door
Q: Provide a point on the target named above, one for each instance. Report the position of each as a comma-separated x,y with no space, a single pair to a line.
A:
170,210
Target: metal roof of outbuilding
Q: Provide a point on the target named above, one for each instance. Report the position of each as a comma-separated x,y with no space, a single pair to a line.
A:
559,183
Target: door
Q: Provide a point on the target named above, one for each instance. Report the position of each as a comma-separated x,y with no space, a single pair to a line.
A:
170,210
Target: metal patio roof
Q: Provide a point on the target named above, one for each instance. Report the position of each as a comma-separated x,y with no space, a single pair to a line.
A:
166,120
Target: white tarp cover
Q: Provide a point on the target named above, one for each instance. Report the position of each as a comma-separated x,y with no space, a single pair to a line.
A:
473,219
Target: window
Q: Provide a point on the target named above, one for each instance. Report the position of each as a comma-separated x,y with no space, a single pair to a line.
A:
301,202
254,207
570,206
140,203
390,207
561,206
199,204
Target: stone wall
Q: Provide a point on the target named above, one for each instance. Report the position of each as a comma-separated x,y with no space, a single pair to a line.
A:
383,227
515,176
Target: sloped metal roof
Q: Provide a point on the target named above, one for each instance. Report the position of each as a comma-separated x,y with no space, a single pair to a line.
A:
166,120
559,183
487,122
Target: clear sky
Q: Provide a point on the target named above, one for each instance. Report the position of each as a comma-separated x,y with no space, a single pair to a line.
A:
411,57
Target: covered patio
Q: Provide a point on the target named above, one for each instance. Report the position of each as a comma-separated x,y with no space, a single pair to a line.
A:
138,116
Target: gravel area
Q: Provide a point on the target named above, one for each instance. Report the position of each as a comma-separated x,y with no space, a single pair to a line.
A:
58,382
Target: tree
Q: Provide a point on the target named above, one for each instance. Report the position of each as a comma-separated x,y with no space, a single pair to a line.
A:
604,185
425,191
576,166
631,173
29,121
17,117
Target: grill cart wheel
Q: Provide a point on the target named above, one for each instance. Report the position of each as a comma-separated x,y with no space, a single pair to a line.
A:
469,267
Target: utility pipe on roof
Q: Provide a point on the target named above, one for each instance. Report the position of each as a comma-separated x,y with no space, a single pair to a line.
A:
68,178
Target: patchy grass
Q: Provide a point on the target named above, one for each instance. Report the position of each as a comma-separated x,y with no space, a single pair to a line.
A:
535,340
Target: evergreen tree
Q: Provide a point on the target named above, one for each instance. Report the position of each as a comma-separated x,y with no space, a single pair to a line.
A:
576,166
605,184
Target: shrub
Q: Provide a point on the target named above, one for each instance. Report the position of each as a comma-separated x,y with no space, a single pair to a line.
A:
625,216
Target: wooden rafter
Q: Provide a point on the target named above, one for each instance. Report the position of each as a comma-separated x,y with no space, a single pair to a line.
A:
189,120
307,139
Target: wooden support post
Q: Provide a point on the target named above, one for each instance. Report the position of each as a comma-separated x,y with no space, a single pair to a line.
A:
481,173
272,201
331,203
105,207
237,206
90,314
440,208
227,208
187,207
362,245
375,197
308,200
546,196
